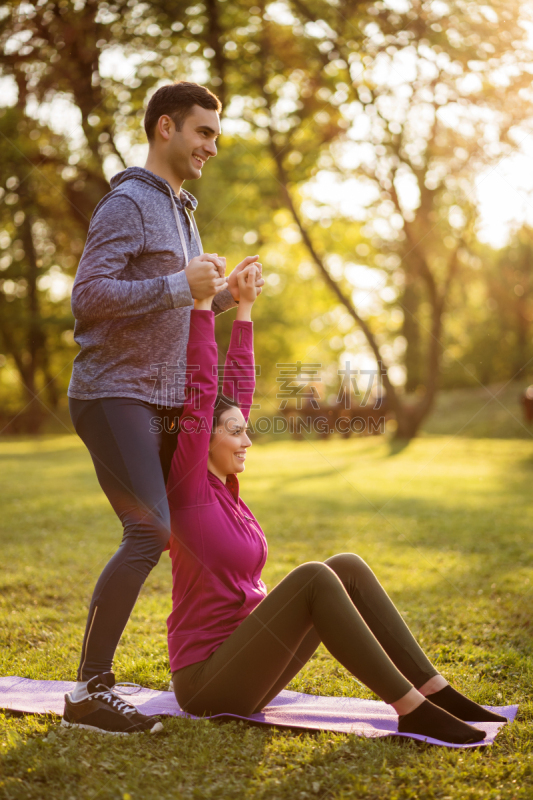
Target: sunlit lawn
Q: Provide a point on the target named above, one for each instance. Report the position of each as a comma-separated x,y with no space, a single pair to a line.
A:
446,524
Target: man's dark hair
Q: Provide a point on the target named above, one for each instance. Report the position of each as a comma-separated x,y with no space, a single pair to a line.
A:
177,101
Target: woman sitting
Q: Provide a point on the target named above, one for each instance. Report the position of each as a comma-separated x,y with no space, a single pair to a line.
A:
232,646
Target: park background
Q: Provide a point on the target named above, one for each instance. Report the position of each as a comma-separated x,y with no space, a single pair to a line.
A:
378,156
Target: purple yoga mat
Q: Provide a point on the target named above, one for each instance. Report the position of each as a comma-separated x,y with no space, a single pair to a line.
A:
370,718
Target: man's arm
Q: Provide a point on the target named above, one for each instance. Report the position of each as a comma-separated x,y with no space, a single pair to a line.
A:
223,301
116,235
229,298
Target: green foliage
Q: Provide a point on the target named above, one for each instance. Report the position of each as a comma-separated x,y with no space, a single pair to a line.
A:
488,334
39,256
446,527
408,104
294,318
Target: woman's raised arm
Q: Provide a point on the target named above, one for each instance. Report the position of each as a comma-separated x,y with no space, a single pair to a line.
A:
188,471
239,370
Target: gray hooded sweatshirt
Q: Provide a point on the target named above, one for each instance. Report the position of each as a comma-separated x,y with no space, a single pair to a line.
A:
131,299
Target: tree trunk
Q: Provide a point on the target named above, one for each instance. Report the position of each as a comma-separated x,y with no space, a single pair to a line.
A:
411,332
408,422
522,338
411,416
33,414
215,41
522,319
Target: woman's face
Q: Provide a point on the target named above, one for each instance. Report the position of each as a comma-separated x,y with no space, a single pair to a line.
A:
228,445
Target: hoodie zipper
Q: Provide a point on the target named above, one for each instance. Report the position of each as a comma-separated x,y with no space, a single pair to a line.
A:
260,536
258,533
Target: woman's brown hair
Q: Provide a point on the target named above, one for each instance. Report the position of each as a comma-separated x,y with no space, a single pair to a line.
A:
222,404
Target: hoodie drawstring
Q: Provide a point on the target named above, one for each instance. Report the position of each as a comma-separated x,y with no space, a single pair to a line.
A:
180,228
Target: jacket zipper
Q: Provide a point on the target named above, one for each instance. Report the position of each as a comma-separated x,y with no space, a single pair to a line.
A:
260,536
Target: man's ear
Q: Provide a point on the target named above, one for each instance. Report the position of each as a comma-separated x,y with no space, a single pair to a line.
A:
165,127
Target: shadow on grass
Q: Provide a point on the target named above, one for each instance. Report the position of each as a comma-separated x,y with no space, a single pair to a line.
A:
397,446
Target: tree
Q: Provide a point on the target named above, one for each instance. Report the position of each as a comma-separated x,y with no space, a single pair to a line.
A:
419,101
48,197
408,105
510,295
55,51
435,95
34,292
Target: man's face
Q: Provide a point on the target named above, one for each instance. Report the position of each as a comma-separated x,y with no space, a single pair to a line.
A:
189,149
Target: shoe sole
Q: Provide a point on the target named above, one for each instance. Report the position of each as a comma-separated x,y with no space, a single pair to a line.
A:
64,724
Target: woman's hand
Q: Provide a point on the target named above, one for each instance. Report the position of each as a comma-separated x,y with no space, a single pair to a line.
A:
233,277
248,291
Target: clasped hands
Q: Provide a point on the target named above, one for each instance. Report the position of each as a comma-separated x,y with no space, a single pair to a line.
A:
206,275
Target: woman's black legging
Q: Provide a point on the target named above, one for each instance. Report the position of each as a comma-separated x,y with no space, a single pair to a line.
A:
339,602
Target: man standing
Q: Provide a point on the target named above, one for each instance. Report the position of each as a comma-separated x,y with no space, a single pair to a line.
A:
141,269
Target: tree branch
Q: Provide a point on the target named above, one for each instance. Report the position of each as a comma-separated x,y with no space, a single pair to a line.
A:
333,285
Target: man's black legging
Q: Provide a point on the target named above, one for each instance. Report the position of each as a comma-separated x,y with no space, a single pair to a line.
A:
340,603
131,444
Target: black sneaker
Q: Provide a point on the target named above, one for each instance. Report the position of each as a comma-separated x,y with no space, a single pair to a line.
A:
107,712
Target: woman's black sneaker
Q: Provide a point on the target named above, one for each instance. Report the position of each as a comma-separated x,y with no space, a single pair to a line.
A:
107,712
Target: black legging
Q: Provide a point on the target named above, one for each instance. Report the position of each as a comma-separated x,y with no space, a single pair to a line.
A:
131,444
340,603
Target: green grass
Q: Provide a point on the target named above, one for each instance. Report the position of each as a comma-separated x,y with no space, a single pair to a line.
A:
493,411
445,523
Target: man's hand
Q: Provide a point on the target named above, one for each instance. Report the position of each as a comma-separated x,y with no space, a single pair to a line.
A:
233,283
205,275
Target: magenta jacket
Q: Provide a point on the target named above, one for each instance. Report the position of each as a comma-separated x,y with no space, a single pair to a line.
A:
217,546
